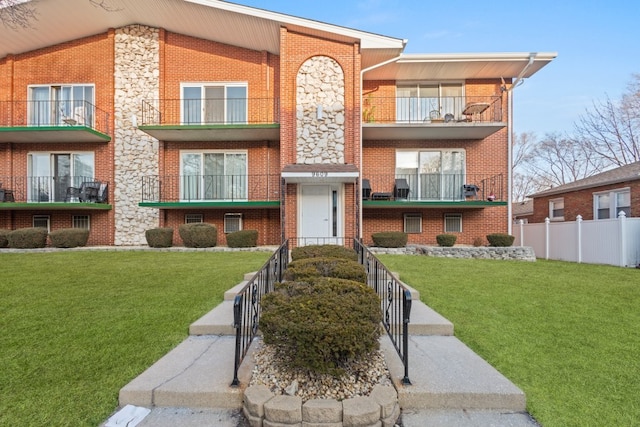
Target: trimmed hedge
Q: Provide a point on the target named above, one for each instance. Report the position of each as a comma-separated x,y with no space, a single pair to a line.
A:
198,235
323,251
69,237
309,268
28,238
160,237
3,238
243,239
446,240
321,326
500,239
390,239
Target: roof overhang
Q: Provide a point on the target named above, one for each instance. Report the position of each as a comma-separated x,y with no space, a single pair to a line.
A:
320,173
237,25
462,66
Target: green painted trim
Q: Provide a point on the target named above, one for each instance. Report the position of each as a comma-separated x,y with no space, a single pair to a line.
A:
429,204
209,127
65,128
208,205
53,206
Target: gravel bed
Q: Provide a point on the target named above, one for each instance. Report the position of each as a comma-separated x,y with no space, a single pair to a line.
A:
359,379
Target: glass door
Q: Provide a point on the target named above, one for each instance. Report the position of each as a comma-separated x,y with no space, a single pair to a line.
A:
61,176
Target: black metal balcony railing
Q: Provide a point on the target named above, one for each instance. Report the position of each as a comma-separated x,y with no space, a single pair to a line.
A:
247,303
210,111
55,189
425,110
203,188
435,187
49,113
395,302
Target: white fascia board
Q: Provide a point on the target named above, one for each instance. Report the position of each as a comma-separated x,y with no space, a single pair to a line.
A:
476,57
368,40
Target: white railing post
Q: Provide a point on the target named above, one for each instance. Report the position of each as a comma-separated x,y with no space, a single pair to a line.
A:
579,224
622,217
547,221
521,222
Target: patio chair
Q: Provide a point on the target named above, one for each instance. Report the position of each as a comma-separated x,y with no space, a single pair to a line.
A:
89,191
103,193
366,189
401,189
72,195
470,190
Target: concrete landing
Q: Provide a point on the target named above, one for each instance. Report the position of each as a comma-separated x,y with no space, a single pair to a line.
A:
218,321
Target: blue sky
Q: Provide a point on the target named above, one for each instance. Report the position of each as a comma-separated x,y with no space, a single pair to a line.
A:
597,43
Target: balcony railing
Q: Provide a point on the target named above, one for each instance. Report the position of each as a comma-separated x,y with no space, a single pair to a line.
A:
435,110
210,188
434,187
54,189
63,114
210,111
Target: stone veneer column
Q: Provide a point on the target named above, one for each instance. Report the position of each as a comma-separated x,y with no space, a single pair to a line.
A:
320,81
136,75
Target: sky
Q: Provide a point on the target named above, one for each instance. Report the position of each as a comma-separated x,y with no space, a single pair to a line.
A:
597,42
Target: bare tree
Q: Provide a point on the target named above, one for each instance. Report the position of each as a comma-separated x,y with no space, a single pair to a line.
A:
16,14
612,129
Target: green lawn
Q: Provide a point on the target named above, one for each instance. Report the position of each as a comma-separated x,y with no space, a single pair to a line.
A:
567,334
77,326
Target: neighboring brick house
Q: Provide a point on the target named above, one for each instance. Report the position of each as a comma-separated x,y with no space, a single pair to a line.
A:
600,196
159,113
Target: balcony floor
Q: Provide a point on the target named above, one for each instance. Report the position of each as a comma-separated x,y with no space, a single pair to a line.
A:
417,131
400,204
67,134
212,205
55,206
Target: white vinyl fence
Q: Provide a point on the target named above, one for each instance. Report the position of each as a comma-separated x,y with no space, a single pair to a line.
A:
605,241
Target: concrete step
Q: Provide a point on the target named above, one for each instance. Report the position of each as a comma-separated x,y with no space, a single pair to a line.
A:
218,321
195,374
465,418
230,294
424,321
446,374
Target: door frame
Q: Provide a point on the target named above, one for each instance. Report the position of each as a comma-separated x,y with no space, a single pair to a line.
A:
337,187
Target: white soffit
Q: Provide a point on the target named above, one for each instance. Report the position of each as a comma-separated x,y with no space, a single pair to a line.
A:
461,66
257,29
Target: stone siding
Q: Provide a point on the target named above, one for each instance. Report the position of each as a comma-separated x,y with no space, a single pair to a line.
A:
136,75
320,84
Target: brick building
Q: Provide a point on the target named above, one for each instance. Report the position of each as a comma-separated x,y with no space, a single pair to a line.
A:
158,113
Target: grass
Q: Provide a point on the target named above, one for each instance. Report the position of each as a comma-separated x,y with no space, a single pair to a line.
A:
567,334
78,326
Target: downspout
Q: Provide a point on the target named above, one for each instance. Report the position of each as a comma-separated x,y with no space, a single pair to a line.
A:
517,82
388,61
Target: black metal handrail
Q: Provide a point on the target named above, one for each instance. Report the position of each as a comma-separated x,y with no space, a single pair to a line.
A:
247,304
395,302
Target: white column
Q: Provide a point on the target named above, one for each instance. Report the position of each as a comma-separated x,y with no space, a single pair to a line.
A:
579,225
547,221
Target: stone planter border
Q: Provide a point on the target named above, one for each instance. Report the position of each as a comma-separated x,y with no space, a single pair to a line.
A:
520,253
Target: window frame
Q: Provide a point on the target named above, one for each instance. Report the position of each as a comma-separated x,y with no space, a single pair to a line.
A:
53,185
451,216
201,184
407,218
68,110
446,184
235,216
420,109
46,218
614,208
193,218
553,209
76,219
203,86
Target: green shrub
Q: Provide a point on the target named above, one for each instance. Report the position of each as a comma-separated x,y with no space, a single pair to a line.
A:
28,238
3,238
500,239
319,327
243,239
160,237
199,235
323,251
390,239
310,268
69,237
446,239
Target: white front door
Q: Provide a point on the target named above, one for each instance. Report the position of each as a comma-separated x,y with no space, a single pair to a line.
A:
320,219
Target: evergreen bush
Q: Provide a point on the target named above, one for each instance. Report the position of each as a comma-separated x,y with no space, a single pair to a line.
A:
243,239
309,268
3,238
320,326
198,235
500,239
69,237
447,240
323,251
390,239
160,237
28,238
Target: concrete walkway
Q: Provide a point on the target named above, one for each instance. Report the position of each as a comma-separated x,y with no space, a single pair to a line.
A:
451,385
